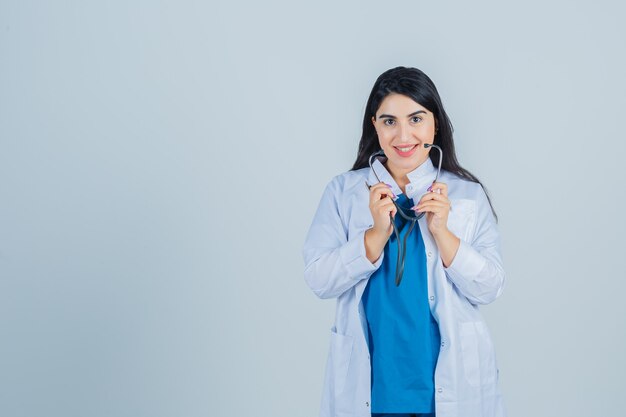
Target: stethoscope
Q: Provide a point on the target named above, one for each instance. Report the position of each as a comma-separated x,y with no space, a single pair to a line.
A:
412,217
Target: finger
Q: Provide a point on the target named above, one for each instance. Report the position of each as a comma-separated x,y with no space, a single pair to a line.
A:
431,197
377,186
439,187
377,191
439,202
385,205
380,195
432,205
390,208
384,210
436,203
383,202
435,210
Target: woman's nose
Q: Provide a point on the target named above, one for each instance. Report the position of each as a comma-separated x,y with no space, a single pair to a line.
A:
404,132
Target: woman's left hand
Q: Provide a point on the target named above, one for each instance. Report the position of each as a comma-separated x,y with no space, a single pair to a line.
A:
437,206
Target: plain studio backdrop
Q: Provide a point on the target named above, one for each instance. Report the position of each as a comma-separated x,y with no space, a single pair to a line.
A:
161,162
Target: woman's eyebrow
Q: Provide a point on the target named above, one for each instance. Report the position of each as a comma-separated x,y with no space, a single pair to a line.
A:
393,117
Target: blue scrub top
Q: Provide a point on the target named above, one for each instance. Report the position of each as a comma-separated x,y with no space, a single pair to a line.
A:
403,336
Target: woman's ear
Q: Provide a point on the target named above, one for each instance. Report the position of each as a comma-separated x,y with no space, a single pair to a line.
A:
373,120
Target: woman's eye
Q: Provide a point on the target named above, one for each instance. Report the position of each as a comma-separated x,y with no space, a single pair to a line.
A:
416,119
389,120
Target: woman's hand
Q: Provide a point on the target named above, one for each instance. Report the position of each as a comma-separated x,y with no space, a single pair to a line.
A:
437,207
381,205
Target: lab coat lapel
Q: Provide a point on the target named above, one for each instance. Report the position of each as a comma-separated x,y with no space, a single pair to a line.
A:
379,169
420,179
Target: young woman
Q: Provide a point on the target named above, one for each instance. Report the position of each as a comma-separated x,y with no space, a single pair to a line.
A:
409,253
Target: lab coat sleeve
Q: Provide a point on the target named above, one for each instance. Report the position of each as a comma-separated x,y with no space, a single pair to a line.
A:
334,263
477,269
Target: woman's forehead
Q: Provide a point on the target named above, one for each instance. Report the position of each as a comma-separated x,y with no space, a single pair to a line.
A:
399,105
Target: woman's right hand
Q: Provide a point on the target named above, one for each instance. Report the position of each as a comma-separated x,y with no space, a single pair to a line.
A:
381,205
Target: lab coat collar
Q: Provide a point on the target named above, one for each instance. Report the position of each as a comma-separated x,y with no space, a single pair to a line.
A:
419,179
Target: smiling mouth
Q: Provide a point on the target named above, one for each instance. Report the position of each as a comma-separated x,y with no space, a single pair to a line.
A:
405,148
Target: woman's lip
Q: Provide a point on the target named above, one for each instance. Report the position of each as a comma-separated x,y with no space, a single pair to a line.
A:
408,153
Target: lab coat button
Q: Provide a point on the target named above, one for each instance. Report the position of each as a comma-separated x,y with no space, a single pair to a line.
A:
430,254
367,404
443,343
439,390
431,298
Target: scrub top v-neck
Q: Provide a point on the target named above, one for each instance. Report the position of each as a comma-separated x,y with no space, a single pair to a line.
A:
403,336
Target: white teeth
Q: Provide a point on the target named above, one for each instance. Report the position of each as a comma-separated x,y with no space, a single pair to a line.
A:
406,149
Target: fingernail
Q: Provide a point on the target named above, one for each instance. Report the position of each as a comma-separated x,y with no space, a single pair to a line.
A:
389,185
430,188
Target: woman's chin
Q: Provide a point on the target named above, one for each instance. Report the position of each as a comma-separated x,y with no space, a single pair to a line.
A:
408,163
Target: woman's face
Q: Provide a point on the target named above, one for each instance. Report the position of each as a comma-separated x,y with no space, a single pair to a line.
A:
403,127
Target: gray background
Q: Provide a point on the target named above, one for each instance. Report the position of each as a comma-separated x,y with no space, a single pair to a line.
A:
160,164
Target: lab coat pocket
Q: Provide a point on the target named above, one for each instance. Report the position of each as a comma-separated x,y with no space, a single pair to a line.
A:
340,353
461,218
477,352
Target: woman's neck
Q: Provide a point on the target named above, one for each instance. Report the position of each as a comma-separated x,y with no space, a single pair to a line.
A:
398,176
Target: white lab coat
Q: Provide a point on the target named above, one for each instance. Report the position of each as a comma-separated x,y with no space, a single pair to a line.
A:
466,375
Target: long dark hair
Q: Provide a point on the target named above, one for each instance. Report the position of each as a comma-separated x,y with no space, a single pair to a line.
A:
416,85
